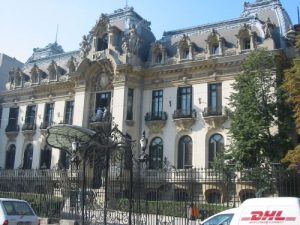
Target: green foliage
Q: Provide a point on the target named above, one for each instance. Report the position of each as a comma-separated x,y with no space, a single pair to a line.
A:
254,113
169,208
292,86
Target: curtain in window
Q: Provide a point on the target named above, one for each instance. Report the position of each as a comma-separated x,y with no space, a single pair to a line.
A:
10,157
216,145
185,153
28,154
156,154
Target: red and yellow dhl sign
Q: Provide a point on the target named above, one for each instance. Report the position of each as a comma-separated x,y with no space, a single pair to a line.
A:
268,216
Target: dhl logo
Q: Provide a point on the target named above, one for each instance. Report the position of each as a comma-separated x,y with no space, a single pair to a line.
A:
268,216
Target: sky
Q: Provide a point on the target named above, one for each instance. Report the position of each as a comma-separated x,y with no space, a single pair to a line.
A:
27,24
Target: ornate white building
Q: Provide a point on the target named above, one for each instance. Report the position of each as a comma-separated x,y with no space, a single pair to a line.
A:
175,89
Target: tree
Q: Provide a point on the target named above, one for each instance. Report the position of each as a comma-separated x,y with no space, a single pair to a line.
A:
255,130
292,86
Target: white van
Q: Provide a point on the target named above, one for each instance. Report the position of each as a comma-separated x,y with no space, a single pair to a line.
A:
271,211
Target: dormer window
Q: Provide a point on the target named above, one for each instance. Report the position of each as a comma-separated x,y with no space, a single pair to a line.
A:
246,43
215,49
185,48
102,43
158,57
215,44
158,53
185,53
18,81
246,39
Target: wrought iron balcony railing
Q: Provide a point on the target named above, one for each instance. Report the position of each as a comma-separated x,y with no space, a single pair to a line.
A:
12,128
179,114
29,126
156,116
209,111
104,117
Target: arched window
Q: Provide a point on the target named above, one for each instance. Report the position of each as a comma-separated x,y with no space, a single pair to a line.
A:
10,157
216,145
214,197
185,154
27,159
45,161
156,153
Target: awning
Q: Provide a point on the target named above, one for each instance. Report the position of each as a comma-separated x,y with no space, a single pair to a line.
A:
61,136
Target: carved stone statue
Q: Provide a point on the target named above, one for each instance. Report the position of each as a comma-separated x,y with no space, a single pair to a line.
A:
268,28
133,40
84,47
124,46
290,36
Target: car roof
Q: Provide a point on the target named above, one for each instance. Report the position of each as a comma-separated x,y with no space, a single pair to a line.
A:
11,199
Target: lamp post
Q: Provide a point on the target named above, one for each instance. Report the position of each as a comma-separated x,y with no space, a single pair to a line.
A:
143,142
143,158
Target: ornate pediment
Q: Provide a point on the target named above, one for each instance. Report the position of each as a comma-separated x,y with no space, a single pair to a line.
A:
101,26
184,42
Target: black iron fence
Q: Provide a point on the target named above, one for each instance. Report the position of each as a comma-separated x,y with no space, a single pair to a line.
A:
166,196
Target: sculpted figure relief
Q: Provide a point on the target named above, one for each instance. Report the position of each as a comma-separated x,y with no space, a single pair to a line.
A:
84,47
133,40
268,28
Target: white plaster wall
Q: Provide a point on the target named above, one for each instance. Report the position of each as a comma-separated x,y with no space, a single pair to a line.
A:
3,137
80,108
118,106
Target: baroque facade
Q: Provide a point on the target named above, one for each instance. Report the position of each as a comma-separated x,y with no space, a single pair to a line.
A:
175,89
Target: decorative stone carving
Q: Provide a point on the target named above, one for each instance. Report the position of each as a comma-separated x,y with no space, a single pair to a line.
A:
155,126
291,36
71,64
131,42
85,47
268,29
183,124
52,71
215,120
101,26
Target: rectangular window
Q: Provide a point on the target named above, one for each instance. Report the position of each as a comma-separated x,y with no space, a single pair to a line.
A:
30,115
103,101
0,116
215,99
247,44
13,120
184,101
157,104
129,115
49,112
69,111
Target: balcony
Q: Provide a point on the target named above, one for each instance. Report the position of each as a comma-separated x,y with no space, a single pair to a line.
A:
215,117
12,130
28,128
156,121
100,121
184,120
